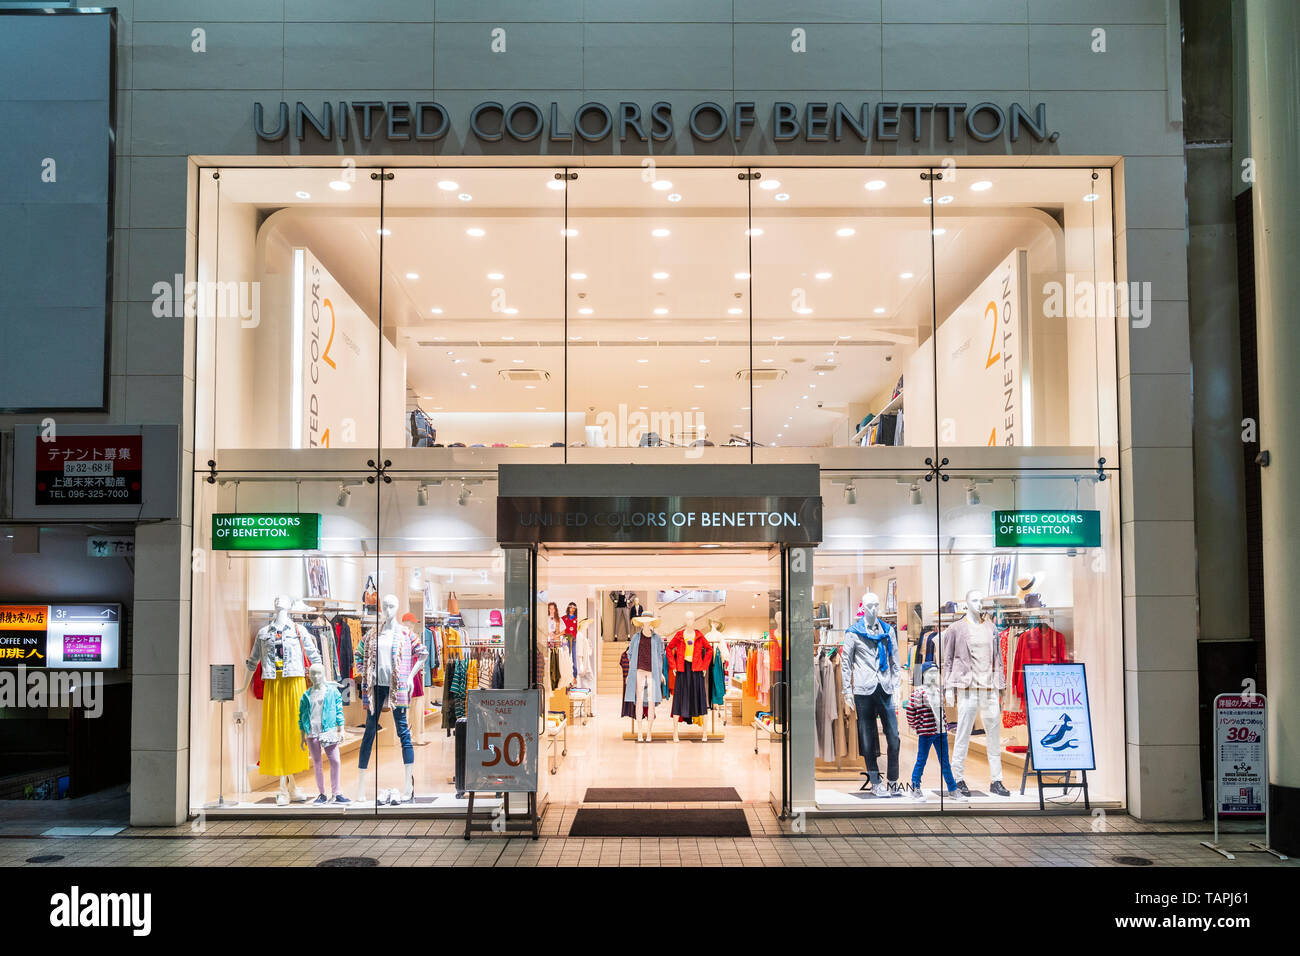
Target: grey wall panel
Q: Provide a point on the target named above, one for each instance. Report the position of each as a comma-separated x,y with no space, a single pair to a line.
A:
536,57
838,56
657,55
348,56
235,56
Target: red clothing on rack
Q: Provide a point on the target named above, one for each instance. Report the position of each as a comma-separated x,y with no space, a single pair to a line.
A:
1038,645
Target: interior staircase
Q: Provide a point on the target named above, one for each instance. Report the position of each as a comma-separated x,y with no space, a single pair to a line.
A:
610,678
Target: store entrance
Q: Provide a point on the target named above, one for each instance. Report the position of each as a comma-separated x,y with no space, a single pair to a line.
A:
707,727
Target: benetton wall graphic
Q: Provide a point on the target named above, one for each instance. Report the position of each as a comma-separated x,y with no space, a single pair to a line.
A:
491,121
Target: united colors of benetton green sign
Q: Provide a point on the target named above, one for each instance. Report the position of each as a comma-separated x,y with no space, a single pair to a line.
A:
1047,529
266,531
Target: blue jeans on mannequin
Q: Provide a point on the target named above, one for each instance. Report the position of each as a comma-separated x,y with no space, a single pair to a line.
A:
372,727
940,744
869,706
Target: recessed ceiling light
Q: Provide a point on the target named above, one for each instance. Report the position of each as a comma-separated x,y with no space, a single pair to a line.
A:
662,185
845,231
674,197
770,184
979,187
660,233
805,397
577,276
661,275
846,336
927,201
464,197
339,186
1091,197
823,275
643,338
643,386
496,276
508,338
473,386
734,311
741,275
944,200
769,360
303,194
804,310
643,407
530,387
781,197
879,310
570,232
541,408
699,386
556,184
518,361
938,232
754,231
661,311
436,311
511,311
448,185
705,361
575,338
642,361
744,408
695,408
383,232
585,310
905,275
874,184
464,374
413,275
475,231
778,338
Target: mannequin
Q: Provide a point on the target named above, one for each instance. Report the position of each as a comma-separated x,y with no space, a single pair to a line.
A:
386,661
320,719
717,673
645,655
279,649
925,716
972,663
871,673
689,656
582,666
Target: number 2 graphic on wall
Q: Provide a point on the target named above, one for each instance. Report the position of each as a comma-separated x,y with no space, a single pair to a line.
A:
993,357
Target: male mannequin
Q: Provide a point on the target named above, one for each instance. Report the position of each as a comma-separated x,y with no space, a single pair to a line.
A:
645,655
972,663
871,677
320,720
689,656
278,649
386,660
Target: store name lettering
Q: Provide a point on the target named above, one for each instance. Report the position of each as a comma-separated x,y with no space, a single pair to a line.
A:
524,121
660,519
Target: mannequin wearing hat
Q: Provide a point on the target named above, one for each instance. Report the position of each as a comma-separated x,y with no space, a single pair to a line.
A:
645,654
974,677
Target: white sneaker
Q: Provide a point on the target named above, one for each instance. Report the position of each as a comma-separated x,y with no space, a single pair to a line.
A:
881,790
956,796
281,799
918,795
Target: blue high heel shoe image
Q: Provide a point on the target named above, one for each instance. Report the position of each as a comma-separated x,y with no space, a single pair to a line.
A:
1054,736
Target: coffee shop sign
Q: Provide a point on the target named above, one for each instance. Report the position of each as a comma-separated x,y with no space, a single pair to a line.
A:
524,121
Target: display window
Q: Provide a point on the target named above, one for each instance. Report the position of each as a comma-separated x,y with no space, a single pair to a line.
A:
372,344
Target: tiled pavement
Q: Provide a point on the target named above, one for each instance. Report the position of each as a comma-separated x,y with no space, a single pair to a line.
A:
933,840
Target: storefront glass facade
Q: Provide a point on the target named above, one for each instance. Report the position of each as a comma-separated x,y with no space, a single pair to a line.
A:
939,341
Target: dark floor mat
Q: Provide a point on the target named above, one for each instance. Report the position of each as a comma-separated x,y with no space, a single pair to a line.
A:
660,795
659,823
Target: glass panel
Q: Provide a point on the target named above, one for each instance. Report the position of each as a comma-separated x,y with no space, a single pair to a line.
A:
289,303
879,545
245,751
1041,603
1025,316
438,558
842,301
658,311
473,308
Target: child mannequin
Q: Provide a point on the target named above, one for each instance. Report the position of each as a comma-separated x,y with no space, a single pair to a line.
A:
925,716
320,719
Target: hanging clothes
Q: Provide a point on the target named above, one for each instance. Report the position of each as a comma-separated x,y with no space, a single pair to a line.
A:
717,682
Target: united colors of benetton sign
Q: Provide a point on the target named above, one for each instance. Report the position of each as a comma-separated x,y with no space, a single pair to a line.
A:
266,531
1047,529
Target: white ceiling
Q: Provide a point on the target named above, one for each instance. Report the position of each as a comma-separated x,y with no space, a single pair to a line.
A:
859,322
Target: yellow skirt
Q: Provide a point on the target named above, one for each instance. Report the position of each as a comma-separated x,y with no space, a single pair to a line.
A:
282,751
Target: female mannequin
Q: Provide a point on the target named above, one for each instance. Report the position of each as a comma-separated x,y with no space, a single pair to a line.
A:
717,672
645,656
278,650
571,633
386,660
320,719
972,663
689,655
554,626
871,677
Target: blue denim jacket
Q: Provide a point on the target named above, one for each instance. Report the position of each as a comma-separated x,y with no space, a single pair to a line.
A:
656,666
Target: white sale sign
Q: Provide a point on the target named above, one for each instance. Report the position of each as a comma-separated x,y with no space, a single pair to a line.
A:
1060,722
502,744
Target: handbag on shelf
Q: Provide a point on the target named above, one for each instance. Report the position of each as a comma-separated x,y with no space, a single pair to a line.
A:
453,603
370,597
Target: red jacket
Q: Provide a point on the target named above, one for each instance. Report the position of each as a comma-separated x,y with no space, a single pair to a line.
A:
701,657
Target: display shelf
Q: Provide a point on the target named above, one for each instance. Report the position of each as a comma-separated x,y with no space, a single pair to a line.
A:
894,404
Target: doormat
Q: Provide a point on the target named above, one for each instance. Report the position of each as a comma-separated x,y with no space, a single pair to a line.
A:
660,795
659,823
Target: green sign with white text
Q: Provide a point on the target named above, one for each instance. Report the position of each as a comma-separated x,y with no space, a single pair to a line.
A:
1047,529
266,531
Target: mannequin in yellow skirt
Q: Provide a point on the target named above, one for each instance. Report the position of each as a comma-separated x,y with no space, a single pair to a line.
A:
283,650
